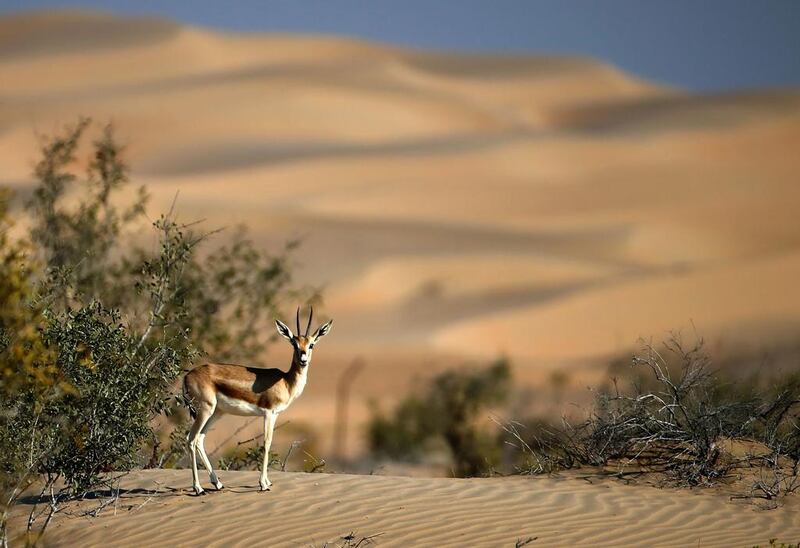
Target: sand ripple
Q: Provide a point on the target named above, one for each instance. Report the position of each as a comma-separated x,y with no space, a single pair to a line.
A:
310,509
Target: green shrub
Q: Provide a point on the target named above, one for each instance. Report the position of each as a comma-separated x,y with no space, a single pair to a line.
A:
447,411
94,330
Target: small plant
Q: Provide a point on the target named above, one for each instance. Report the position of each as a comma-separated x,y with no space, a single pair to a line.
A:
246,458
774,543
447,412
351,540
775,479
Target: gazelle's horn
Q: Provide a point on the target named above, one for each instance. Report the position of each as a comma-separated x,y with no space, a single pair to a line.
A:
310,315
298,320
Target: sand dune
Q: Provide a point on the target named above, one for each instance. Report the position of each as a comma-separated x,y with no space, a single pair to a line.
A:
682,112
39,34
446,202
310,509
714,300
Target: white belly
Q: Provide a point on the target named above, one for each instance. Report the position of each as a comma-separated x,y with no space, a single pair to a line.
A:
234,406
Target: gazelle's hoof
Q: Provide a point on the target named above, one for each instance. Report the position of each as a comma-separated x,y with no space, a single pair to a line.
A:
199,492
215,482
265,486
218,486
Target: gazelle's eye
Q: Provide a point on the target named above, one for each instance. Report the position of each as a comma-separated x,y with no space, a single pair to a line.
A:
310,346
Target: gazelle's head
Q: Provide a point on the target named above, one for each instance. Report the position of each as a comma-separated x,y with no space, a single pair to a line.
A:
303,344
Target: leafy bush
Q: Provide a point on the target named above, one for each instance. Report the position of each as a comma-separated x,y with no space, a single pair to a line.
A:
226,298
447,411
95,330
80,244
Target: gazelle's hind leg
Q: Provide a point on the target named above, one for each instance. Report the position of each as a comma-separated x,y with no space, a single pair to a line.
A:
204,413
201,448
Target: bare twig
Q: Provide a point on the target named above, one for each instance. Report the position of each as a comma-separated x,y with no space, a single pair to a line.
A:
289,453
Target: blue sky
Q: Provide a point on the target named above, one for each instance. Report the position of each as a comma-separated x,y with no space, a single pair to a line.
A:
697,44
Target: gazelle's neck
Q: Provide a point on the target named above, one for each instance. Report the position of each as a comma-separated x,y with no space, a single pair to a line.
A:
296,377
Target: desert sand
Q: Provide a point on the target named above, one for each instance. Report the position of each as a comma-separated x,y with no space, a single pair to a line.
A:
311,509
452,207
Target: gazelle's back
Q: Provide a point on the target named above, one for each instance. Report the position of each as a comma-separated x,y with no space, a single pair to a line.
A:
213,383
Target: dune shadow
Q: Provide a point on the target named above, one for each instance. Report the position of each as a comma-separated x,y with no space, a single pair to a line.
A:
80,32
225,156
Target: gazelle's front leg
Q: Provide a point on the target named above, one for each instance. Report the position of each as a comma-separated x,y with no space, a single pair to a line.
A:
269,426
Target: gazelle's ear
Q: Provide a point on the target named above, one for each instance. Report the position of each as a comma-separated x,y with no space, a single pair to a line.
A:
323,329
284,330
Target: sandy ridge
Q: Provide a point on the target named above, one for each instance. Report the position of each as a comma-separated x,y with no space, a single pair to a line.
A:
308,509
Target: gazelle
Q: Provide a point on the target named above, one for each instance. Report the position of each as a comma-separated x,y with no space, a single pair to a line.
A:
215,389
